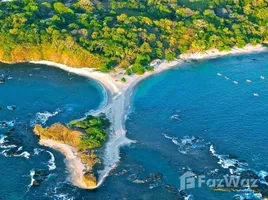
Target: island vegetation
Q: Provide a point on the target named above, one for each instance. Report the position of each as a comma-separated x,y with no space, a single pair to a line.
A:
85,136
108,33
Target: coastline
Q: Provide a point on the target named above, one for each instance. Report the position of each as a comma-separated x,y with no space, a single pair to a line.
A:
72,161
117,108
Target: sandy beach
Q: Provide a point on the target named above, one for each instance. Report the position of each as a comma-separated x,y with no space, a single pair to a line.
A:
117,107
73,162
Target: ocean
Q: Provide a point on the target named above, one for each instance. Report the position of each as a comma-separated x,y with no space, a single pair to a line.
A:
207,118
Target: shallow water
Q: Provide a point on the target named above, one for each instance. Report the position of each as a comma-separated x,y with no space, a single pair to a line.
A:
178,116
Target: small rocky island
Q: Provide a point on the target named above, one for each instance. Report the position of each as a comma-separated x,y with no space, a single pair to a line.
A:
77,141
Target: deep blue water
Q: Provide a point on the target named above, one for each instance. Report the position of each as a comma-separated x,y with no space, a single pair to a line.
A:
177,117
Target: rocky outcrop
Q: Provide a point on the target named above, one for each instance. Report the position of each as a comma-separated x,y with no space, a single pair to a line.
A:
2,81
59,133
90,180
39,177
62,134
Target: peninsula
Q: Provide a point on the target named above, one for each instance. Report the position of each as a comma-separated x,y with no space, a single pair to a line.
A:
118,43
117,108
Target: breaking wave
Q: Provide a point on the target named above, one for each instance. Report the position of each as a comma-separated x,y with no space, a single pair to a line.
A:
42,117
236,167
12,150
32,178
51,162
188,145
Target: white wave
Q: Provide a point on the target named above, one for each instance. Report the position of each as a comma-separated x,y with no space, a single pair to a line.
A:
42,117
12,107
212,150
8,146
37,151
219,74
187,145
24,154
166,136
262,175
249,81
227,78
175,141
2,139
175,117
235,82
256,94
10,123
51,162
32,179
224,161
189,197
63,197
6,124
262,77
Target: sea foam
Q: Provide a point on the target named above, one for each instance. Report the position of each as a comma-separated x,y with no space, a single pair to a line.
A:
42,117
51,162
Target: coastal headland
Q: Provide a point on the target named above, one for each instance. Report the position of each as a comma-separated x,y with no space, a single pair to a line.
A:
117,107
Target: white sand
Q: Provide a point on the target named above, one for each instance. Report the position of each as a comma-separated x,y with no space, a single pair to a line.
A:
73,162
117,106
216,53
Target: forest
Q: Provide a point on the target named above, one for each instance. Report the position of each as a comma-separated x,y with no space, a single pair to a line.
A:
126,33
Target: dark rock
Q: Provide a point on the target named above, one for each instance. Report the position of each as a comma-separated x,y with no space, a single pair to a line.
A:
2,80
10,131
13,141
183,193
232,156
36,183
243,161
39,177
249,175
171,189
232,167
42,173
155,177
266,178
10,152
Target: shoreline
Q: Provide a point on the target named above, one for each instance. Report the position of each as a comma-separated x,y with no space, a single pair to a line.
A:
72,161
117,107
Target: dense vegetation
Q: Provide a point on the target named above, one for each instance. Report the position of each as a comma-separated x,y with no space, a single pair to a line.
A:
92,135
95,129
108,33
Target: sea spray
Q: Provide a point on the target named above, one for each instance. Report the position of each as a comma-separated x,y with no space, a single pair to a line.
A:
32,178
51,162
42,117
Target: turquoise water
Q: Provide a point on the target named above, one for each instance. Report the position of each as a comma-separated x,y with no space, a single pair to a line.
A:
178,117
